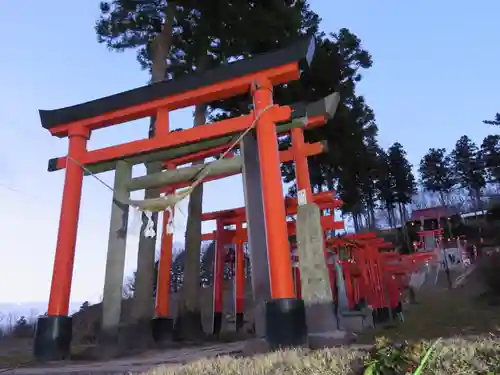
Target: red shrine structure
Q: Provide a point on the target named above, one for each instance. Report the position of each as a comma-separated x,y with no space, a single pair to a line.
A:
255,76
368,272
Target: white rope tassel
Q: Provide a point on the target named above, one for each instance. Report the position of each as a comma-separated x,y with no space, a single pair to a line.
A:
149,231
136,225
170,223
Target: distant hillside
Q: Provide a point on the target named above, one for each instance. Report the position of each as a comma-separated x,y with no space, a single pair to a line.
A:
31,310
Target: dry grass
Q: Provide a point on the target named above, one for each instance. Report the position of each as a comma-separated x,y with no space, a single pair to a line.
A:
454,356
470,345
18,352
331,362
15,352
442,314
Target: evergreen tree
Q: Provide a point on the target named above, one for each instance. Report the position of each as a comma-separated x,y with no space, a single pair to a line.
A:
490,151
402,175
207,264
337,67
387,187
176,271
370,175
21,322
349,191
436,173
469,167
495,121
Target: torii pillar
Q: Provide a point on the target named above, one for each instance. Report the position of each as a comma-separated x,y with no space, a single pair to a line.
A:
115,262
285,315
162,323
54,331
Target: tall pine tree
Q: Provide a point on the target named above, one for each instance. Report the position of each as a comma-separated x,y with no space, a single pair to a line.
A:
490,153
469,167
495,121
437,174
387,187
402,175
337,67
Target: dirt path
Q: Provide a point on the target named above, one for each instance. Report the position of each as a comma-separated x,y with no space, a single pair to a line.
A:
132,365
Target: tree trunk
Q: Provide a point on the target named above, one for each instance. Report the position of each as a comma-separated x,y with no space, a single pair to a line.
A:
362,221
393,213
404,227
389,215
367,219
479,208
188,325
142,308
442,198
405,211
401,215
355,222
478,200
372,215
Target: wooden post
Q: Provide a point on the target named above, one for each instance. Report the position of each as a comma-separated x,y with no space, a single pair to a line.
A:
162,323
115,262
256,231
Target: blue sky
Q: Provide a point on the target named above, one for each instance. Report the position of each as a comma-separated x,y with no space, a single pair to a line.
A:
433,80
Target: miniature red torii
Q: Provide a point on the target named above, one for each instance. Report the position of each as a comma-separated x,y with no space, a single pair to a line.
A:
224,237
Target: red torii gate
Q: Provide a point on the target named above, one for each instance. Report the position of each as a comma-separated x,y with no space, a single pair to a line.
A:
238,236
257,76
162,302
362,249
366,273
362,270
371,274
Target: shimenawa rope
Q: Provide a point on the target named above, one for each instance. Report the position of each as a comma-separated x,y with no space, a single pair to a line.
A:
169,201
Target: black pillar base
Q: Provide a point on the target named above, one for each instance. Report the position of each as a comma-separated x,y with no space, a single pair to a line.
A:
108,337
240,321
217,327
383,315
286,323
52,338
398,309
412,295
380,315
188,326
161,328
